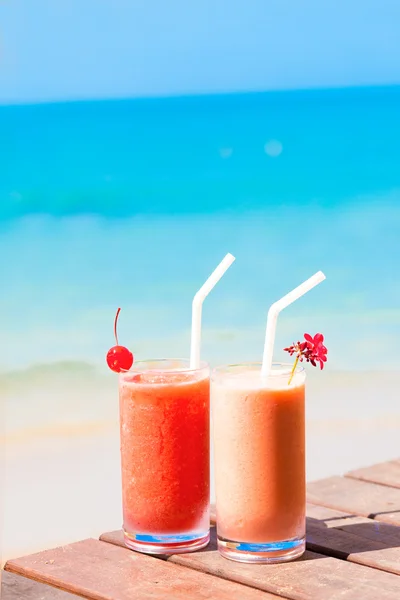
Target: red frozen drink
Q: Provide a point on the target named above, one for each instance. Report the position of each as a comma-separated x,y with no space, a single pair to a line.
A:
165,457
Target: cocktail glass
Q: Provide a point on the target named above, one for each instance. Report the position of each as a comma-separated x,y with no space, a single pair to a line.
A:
165,457
259,450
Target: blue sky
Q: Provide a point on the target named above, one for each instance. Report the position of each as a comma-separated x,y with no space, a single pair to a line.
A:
73,49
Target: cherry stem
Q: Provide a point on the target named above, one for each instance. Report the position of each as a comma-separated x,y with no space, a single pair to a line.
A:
293,370
115,326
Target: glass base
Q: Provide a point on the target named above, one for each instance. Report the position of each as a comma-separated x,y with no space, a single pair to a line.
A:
166,544
272,552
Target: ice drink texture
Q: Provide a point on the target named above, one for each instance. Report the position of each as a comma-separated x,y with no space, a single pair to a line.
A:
259,441
164,428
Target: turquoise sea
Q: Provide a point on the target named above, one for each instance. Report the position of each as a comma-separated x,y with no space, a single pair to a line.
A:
133,203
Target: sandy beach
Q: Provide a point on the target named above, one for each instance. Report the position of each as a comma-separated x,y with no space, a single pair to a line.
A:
61,474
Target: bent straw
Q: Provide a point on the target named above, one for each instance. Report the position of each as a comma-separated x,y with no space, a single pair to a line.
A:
197,306
273,314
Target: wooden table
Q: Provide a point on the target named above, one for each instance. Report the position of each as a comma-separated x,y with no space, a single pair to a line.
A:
353,552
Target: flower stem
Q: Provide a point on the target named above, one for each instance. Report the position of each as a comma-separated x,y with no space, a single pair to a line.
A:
293,370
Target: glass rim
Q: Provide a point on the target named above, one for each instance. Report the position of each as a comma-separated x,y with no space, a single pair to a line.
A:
135,368
225,369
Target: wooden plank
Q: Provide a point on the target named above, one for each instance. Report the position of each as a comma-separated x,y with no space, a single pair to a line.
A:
313,577
376,531
99,571
334,533
332,517
15,587
357,539
354,496
113,537
391,517
386,473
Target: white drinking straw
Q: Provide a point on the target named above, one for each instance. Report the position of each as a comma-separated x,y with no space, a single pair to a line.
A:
197,306
273,314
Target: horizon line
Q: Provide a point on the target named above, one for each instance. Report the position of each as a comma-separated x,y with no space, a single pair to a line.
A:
189,95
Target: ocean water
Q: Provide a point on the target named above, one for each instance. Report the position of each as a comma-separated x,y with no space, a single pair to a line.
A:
132,203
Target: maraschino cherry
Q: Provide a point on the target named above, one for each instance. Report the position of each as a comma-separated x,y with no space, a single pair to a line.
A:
119,358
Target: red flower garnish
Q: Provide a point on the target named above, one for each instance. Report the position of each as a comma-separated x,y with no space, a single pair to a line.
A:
312,350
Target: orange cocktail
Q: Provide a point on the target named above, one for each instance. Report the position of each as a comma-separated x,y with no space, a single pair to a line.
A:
165,457
259,445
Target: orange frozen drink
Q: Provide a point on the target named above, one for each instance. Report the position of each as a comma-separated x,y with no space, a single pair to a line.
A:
259,445
165,457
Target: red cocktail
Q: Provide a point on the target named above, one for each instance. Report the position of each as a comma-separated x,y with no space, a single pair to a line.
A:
165,456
